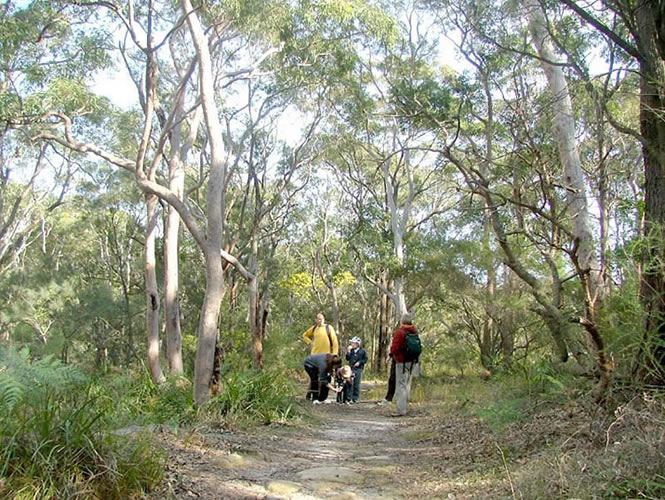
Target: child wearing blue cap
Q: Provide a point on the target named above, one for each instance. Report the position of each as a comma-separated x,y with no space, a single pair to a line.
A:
357,357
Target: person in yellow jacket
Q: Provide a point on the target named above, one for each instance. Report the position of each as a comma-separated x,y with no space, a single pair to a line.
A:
322,337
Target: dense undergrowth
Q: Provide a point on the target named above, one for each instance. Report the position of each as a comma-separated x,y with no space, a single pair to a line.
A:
56,436
65,434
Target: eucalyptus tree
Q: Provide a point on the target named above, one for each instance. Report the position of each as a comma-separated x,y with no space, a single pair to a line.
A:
220,175
113,258
276,163
145,169
63,127
635,30
585,252
42,57
96,249
487,66
382,148
45,54
181,142
215,56
324,251
266,176
77,289
559,223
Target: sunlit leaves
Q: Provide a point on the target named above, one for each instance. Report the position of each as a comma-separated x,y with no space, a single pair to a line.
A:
298,284
302,284
68,96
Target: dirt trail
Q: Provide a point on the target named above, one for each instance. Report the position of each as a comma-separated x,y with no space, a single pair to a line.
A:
347,452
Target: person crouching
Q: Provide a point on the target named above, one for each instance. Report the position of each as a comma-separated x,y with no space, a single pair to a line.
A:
320,368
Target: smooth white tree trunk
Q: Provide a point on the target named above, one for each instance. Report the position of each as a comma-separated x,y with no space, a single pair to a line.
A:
151,291
574,179
399,217
586,257
180,148
209,324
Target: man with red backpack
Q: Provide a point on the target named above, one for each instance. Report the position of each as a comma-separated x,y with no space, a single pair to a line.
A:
405,349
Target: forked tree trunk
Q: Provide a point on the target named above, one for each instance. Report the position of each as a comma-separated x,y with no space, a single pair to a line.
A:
399,218
585,255
212,247
180,148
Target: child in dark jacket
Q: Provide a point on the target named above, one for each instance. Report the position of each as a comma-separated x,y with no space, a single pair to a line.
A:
344,379
357,357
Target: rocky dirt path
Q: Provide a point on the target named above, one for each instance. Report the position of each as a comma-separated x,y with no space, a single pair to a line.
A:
345,452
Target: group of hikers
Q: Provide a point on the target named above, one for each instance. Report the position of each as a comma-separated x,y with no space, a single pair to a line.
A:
326,373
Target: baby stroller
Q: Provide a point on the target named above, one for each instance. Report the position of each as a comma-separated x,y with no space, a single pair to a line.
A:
344,379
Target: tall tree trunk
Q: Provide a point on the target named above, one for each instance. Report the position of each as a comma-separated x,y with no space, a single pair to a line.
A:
215,203
652,106
152,291
488,327
585,256
507,327
385,325
647,29
171,302
574,179
212,301
180,148
171,266
398,221
151,288
208,324
253,304
327,275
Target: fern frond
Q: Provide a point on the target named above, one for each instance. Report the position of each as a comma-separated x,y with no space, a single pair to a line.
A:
11,392
20,377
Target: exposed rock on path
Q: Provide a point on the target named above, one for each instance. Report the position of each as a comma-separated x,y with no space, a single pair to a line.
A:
348,451
345,452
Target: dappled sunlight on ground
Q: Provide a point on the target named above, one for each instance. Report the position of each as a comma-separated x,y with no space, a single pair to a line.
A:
344,451
453,444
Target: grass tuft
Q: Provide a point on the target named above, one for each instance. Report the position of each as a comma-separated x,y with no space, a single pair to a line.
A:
55,440
249,397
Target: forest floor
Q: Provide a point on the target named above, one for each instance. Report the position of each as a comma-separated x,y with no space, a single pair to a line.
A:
354,451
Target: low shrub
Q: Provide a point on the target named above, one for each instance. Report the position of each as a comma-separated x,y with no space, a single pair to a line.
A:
618,457
250,397
133,398
173,403
55,437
